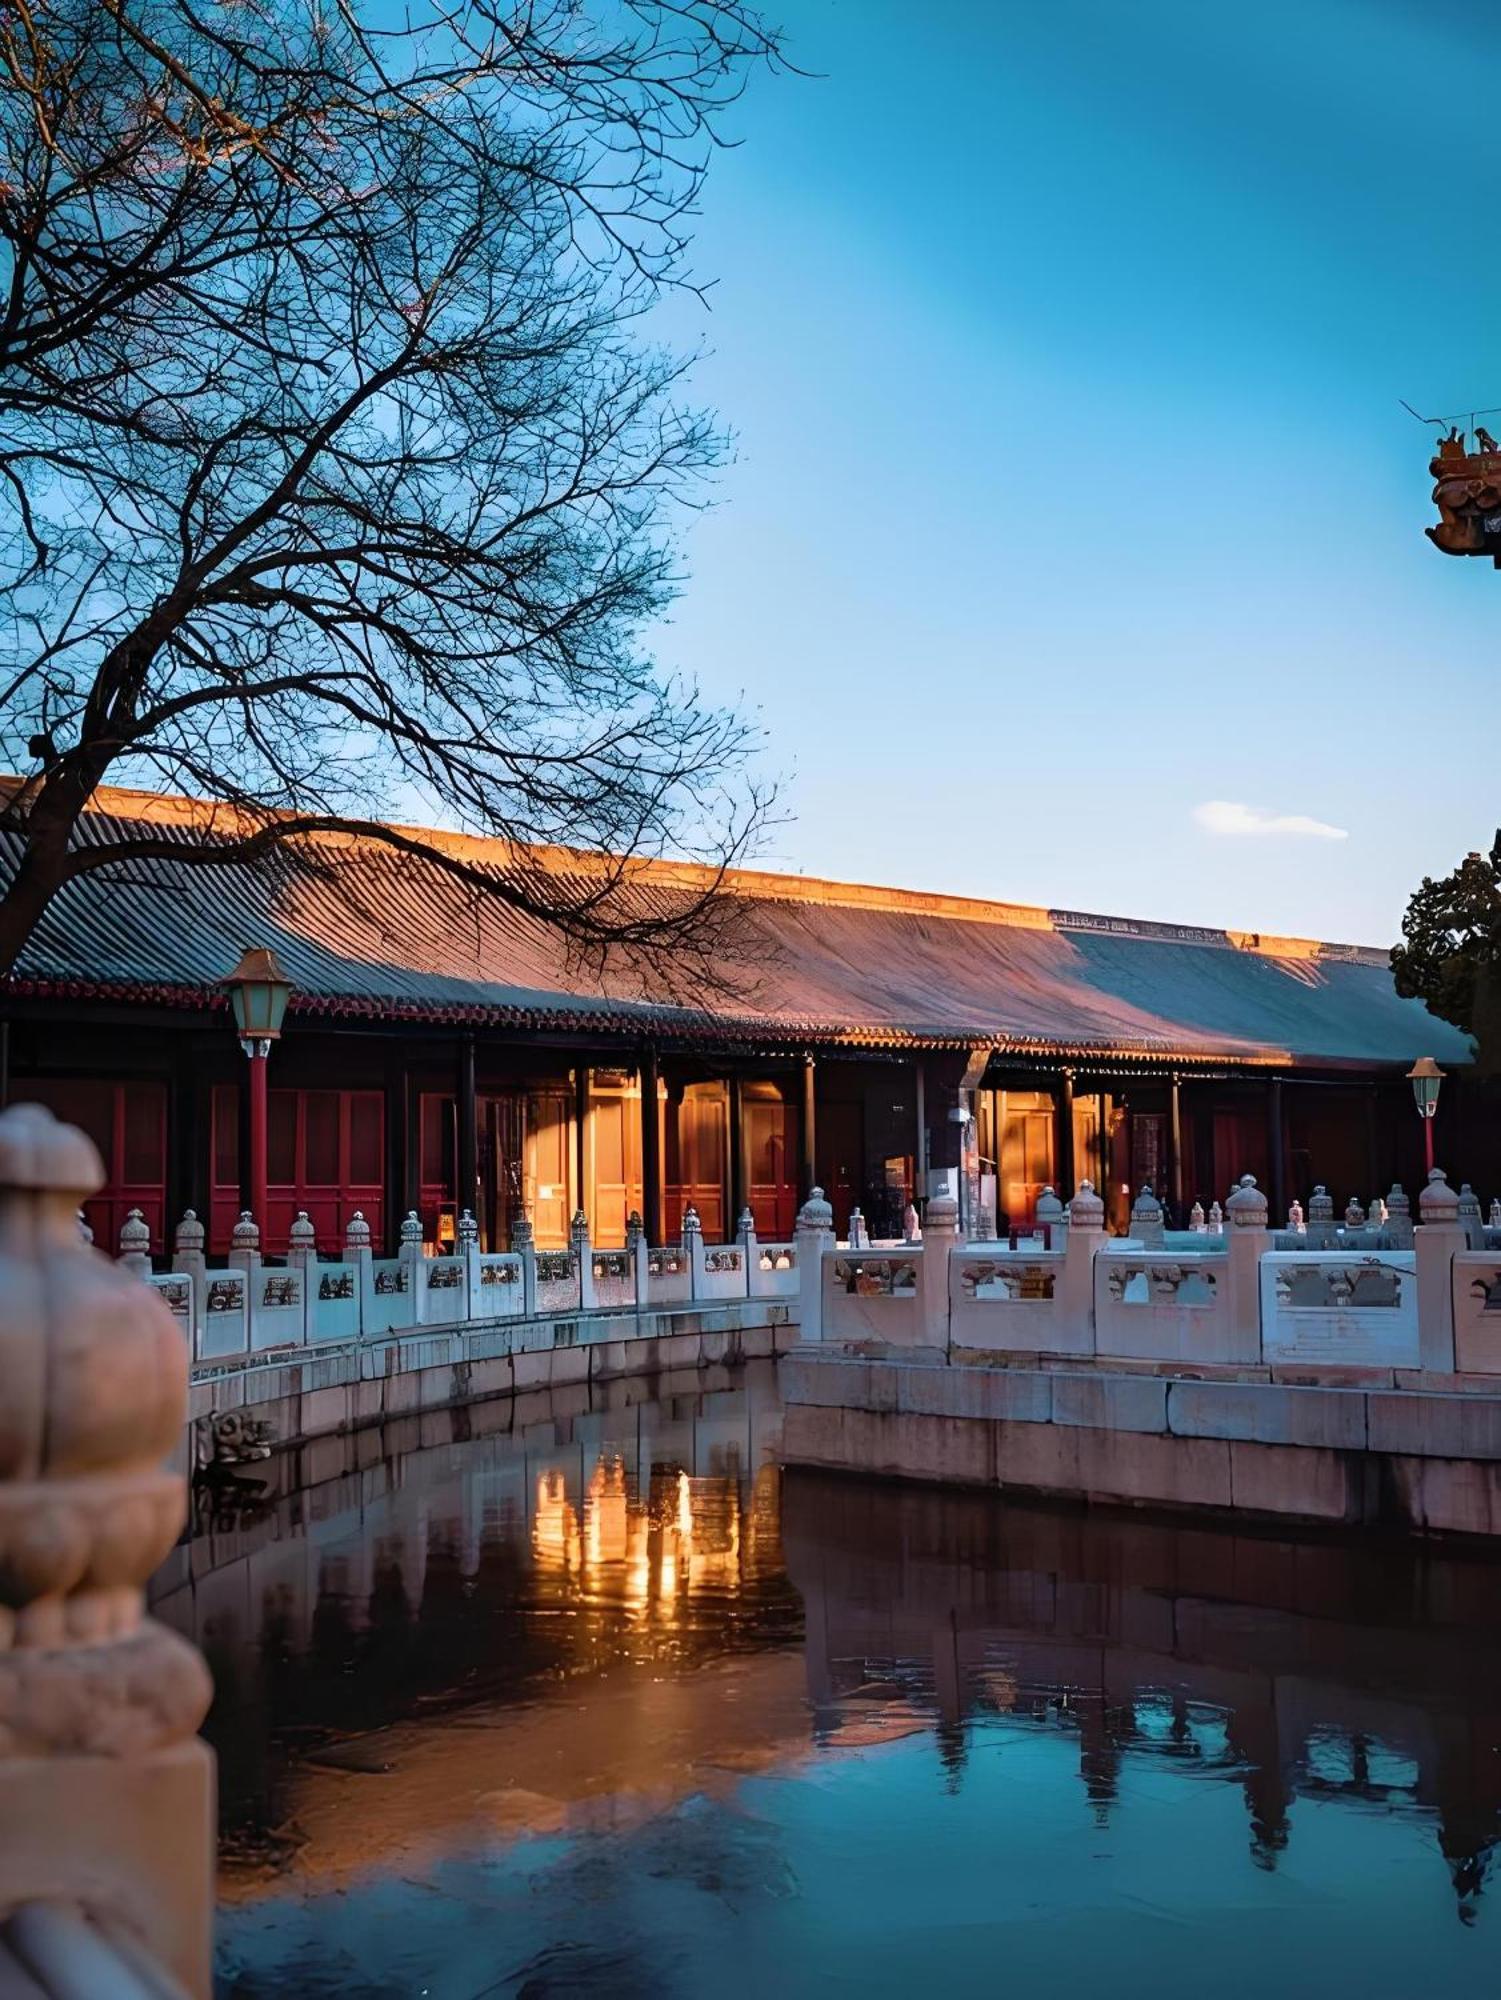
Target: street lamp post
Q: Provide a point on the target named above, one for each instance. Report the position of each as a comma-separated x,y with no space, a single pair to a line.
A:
258,992
1425,1076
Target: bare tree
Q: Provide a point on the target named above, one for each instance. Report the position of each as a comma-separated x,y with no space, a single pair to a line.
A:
339,473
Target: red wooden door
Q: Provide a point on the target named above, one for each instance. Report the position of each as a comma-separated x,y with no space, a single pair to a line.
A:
770,1139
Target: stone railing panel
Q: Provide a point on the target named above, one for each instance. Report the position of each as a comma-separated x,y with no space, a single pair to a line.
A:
175,1290
614,1279
773,1271
333,1302
1477,1312
1010,1300
388,1301
874,1295
669,1276
722,1274
1162,1305
278,1307
224,1328
496,1288
558,1281
1345,1308
442,1290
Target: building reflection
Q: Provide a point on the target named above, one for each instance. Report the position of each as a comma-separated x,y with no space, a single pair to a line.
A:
444,1582
1330,1671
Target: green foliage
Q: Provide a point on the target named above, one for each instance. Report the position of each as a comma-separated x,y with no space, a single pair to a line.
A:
1450,956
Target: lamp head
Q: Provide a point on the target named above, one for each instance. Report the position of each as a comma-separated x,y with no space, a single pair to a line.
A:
1426,1077
258,992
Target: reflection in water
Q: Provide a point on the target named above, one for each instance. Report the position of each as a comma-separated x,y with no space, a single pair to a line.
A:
551,1702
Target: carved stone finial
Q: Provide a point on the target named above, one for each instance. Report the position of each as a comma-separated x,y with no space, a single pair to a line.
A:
523,1236
1320,1206
815,1212
411,1227
135,1243
746,1226
467,1234
1086,1210
1295,1221
245,1235
1495,1214
691,1224
96,1395
859,1235
1246,1208
302,1235
1354,1214
635,1228
188,1238
1049,1208
357,1232
942,1217
1216,1221
1397,1202
1196,1220
1438,1203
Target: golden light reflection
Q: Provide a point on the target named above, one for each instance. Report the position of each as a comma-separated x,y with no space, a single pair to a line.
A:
650,1555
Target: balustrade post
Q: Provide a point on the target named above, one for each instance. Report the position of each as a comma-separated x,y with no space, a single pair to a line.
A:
106,1793
1469,1217
859,1235
1437,1239
1086,1233
302,1257
693,1251
1050,1220
189,1261
745,1233
1146,1220
813,1236
1247,1241
1399,1231
636,1251
524,1243
466,1245
135,1245
939,1237
411,1253
1320,1219
583,1256
357,1251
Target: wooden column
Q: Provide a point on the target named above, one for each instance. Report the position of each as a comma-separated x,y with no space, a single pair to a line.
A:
581,1137
1372,1144
651,1149
920,1154
1175,1149
808,1171
1276,1147
1066,1179
401,1163
736,1160
466,1185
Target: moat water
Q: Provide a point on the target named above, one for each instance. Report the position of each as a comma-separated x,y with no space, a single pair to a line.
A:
547,1699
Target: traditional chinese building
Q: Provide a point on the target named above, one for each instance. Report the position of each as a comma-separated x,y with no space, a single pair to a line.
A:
443,1052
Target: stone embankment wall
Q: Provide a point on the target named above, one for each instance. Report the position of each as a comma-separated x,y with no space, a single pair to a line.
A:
1428,1461
301,1395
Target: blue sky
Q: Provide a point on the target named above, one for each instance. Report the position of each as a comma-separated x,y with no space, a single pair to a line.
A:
1063,346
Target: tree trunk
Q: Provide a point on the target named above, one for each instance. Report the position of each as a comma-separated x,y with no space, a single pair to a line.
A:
42,872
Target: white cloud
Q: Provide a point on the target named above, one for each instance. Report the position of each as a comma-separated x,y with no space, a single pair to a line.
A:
1230,817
